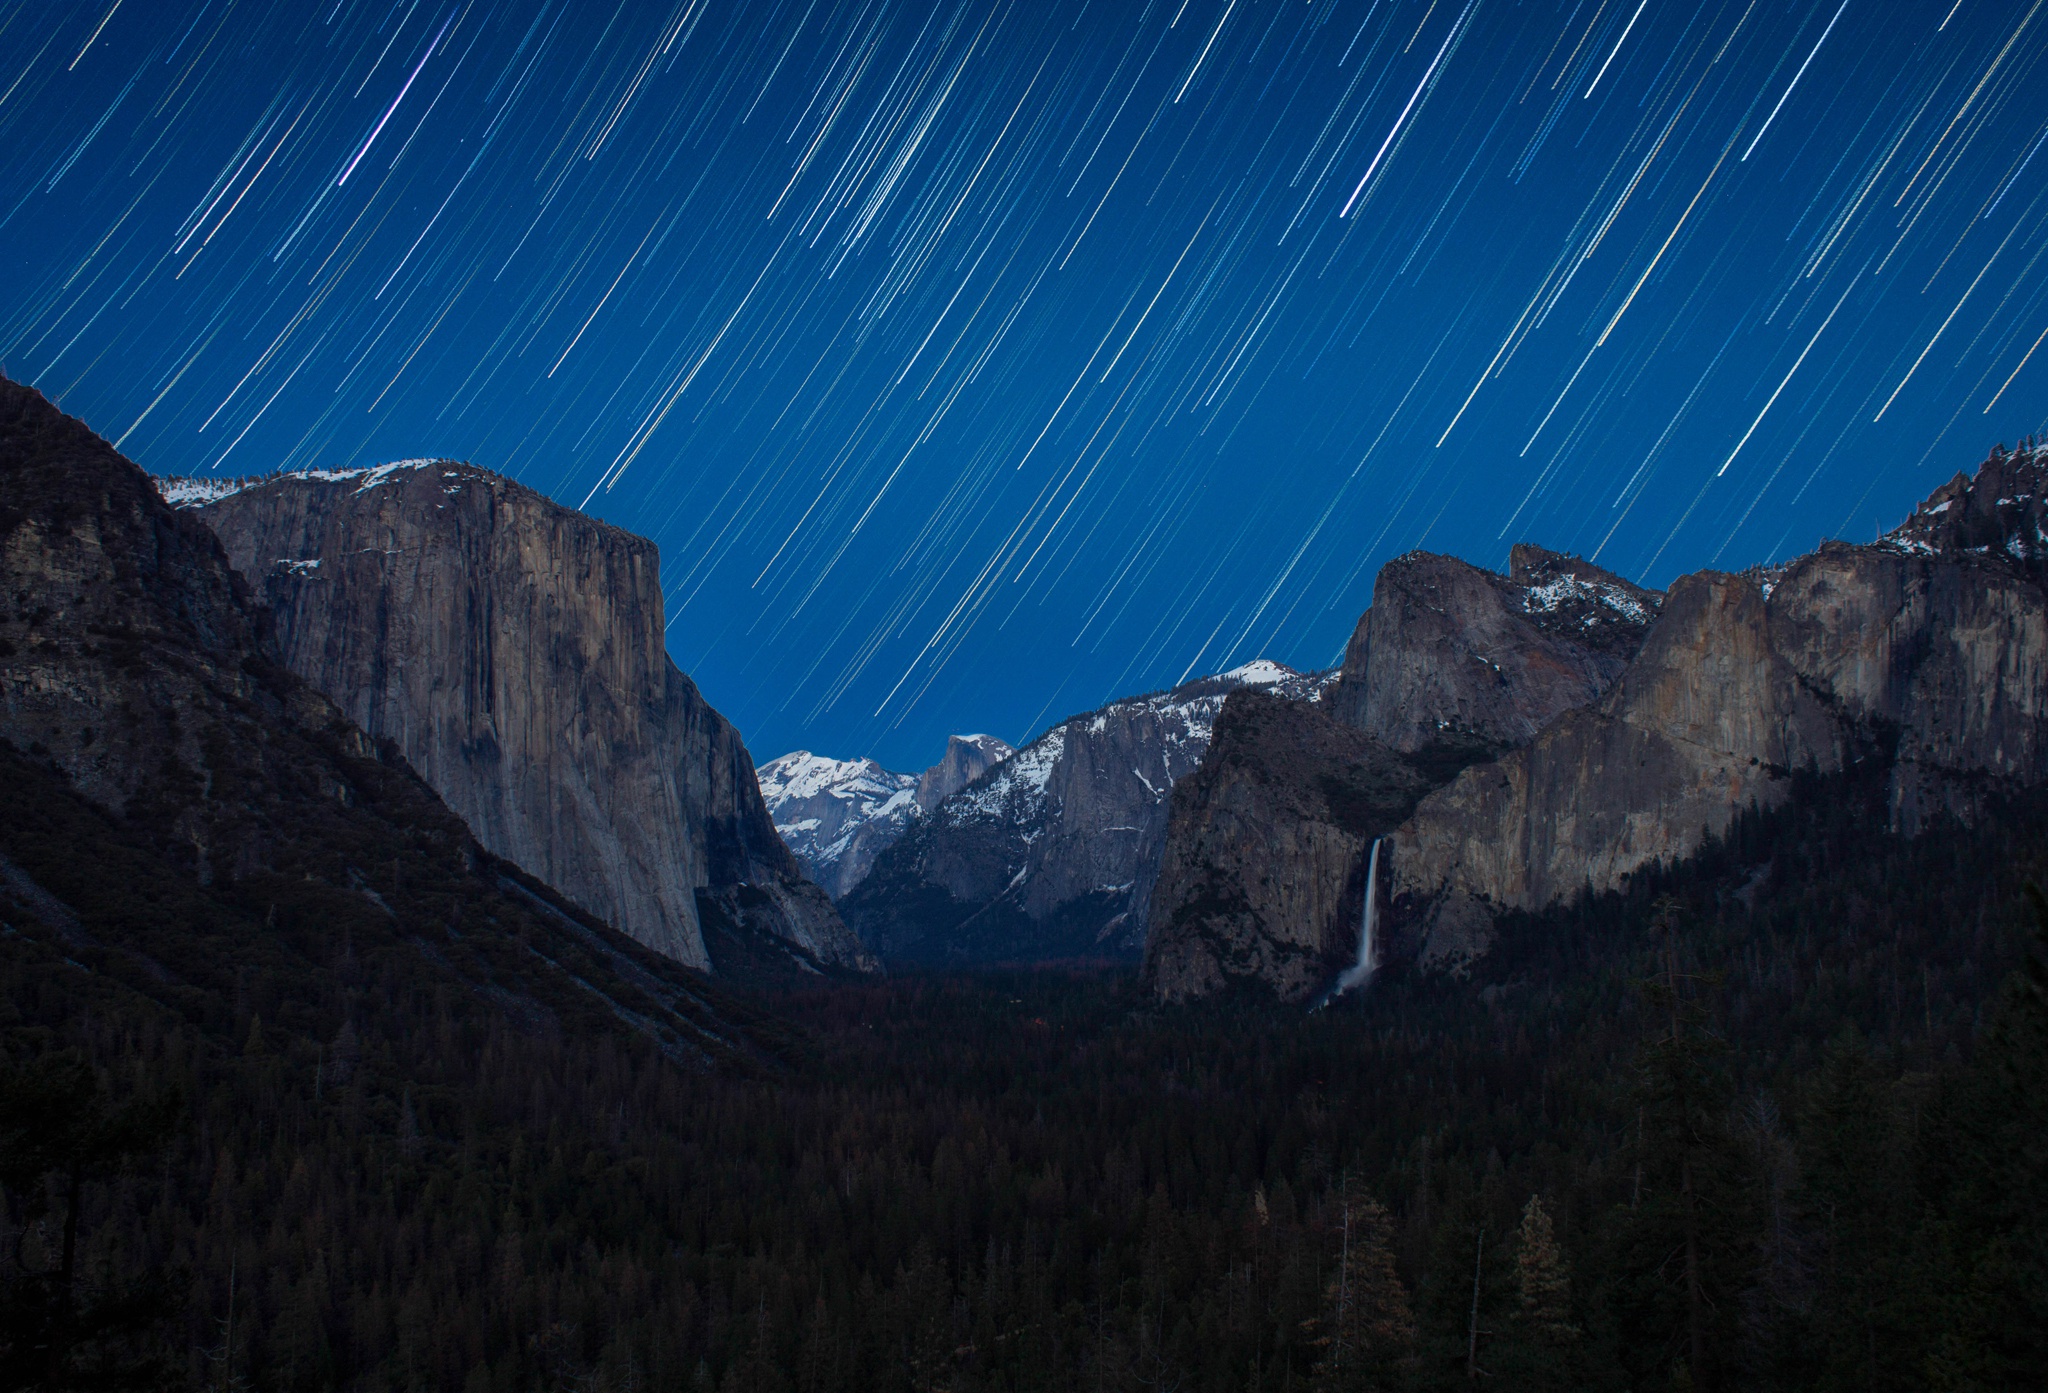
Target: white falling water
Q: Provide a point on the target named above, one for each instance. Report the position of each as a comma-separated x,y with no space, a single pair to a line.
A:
1368,950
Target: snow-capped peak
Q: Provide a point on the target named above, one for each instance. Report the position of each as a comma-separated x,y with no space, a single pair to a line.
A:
1260,672
801,774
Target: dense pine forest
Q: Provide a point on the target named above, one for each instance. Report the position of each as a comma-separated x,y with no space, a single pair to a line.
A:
1775,1118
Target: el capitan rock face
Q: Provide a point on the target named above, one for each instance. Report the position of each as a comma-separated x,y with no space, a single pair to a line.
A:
513,650
1052,852
187,814
838,815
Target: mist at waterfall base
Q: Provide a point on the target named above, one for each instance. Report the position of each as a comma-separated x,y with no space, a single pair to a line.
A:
1360,972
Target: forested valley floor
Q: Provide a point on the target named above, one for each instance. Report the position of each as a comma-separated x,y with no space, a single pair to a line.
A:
1776,1118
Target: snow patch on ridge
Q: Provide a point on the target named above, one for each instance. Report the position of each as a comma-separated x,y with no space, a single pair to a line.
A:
197,493
1558,591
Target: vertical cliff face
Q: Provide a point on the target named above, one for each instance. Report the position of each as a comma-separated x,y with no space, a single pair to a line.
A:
1928,648
1464,662
1262,879
838,815
1052,852
1265,853
513,650
198,824
967,758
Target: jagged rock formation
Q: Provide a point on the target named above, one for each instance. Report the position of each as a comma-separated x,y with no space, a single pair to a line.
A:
512,650
1052,852
1282,785
838,815
1928,648
1581,728
189,820
1465,663
1451,664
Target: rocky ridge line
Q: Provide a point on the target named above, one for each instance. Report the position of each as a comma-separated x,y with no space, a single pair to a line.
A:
1927,648
1052,853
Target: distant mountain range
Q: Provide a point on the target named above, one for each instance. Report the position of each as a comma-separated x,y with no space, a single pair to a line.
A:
1506,741
1052,852
838,815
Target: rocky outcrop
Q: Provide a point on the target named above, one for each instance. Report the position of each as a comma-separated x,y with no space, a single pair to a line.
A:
967,758
188,819
1580,728
1452,664
512,650
1283,786
838,815
1051,853
1463,663
1928,648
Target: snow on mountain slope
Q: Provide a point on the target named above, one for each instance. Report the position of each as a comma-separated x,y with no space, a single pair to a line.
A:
1052,852
826,808
837,815
2001,515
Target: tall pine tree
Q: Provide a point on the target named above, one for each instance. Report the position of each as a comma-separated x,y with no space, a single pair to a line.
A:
1542,1341
1370,1335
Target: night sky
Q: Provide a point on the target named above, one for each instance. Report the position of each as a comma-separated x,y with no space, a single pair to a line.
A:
975,362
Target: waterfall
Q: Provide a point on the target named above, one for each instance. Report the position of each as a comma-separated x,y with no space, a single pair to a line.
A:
1368,950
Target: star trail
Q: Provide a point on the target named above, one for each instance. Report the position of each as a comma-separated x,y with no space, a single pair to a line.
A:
974,362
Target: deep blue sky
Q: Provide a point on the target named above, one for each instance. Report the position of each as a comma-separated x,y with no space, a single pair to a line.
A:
975,362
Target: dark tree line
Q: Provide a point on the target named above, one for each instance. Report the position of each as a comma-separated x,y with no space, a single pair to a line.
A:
1767,1120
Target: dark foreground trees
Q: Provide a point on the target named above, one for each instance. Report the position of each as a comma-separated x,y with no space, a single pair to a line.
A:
1787,1134
68,1317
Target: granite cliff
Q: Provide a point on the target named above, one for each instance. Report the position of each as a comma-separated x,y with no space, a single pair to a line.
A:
1264,861
1576,728
1463,662
189,821
512,650
1283,788
1927,649
838,815
1052,852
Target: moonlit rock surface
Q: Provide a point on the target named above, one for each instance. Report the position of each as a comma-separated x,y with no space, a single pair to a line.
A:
1937,632
1457,658
1263,876
513,649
